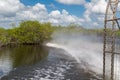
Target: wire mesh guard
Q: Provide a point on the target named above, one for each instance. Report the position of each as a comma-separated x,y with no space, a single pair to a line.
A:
111,49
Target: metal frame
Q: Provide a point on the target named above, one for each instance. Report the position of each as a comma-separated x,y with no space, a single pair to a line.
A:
111,24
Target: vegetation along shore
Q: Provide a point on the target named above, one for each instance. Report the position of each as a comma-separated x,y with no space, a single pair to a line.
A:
27,33
36,33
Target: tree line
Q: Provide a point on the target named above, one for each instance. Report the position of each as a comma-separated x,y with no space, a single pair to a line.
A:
27,32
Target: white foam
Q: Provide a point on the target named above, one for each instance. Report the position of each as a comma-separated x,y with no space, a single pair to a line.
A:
57,72
82,55
85,50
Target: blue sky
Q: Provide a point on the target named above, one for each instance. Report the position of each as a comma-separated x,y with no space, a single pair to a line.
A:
86,13
77,10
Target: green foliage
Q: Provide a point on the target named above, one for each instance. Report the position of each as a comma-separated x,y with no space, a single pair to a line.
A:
3,36
27,32
70,28
118,33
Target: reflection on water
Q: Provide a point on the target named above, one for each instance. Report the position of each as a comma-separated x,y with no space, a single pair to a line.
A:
12,57
5,62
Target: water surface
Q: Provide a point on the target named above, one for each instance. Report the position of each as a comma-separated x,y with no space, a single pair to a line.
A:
13,57
68,57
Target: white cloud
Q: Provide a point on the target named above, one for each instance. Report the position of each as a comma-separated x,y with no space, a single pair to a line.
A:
99,7
94,14
10,7
16,12
39,7
55,14
73,2
95,24
63,18
52,6
64,12
37,12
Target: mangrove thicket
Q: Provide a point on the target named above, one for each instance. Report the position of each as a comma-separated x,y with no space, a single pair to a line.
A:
27,32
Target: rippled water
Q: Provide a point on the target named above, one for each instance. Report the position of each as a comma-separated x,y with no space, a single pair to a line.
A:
56,66
13,57
49,63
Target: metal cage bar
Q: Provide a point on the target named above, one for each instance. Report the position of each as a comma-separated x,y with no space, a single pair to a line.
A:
111,24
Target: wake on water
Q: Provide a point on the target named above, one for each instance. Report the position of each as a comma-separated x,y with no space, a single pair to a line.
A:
86,50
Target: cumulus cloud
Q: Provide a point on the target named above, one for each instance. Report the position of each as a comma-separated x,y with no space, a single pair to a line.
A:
10,7
99,7
73,2
55,14
94,14
39,7
38,12
63,18
15,12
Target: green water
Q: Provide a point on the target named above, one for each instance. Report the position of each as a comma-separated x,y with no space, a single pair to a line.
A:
12,57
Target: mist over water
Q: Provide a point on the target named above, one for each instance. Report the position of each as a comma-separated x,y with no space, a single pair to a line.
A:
85,49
